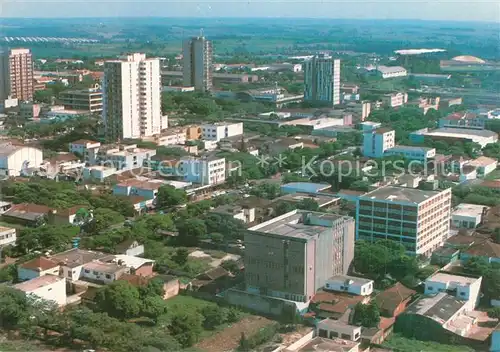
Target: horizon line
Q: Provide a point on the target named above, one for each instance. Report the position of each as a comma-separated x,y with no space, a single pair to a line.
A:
256,18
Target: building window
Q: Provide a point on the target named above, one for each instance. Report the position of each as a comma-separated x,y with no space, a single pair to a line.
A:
108,276
95,272
430,288
345,336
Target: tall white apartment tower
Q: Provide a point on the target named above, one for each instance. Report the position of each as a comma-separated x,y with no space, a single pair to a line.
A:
197,66
322,80
132,97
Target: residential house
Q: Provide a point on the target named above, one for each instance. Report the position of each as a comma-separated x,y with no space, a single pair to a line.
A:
468,216
101,272
138,266
350,284
334,305
394,300
7,237
211,281
247,215
136,187
48,287
36,268
329,328
26,214
484,165
485,249
171,284
462,287
130,247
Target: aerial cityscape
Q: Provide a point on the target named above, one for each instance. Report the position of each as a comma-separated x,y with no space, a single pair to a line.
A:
213,184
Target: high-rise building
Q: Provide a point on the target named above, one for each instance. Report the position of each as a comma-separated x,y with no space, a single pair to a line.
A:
322,80
132,97
197,69
417,219
292,255
16,74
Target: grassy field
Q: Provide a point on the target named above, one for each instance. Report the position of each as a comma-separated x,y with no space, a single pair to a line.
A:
403,344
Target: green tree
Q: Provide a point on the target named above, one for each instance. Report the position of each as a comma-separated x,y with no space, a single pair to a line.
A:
494,313
153,307
366,315
213,316
191,231
308,204
119,299
186,327
169,196
231,266
181,256
283,208
14,308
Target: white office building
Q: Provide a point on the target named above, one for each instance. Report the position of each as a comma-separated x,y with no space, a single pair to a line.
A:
218,131
132,97
322,80
376,142
204,171
197,64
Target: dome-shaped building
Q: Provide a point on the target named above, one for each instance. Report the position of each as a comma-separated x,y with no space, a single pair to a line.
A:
468,59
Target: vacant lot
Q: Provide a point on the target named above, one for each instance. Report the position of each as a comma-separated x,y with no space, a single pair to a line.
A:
228,339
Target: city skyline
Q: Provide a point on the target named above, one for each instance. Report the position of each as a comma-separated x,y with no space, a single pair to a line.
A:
482,11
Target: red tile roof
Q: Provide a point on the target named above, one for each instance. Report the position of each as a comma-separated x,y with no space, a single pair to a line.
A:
484,249
391,298
39,264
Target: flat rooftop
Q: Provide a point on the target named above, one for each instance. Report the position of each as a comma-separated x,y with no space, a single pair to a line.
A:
76,257
445,277
322,200
309,186
36,283
440,307
399,194
353,280
408,147
292,224
466,209
461,133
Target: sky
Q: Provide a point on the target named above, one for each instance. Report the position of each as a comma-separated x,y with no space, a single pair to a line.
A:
456,10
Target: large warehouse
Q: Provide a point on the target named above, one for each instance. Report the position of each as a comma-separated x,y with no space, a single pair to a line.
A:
14,158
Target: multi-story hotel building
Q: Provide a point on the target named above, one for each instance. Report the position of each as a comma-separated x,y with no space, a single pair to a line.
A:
293,255
419,220
86,99
322,80
132,97
16,74
197,64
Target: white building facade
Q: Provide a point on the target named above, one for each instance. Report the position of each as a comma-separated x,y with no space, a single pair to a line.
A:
218,131
322,80
132,97
208,171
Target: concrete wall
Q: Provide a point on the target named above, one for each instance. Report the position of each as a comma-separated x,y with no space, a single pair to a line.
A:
55,292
